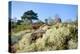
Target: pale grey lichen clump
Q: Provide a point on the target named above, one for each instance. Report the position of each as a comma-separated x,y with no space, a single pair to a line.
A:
58,37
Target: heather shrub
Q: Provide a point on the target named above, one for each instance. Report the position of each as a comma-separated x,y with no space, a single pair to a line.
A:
58,37
72,44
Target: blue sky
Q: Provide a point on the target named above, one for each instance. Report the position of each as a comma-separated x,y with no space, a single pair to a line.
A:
45,10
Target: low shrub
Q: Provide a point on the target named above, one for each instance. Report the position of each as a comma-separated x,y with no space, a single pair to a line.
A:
58,37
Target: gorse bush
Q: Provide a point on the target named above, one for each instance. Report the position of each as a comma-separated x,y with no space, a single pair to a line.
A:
21,27
58,37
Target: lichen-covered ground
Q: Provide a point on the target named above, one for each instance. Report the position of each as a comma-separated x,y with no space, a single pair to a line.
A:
56,37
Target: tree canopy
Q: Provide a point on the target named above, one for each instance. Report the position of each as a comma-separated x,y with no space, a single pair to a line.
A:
57,18
30,15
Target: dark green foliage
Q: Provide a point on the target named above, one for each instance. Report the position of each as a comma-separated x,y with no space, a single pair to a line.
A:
30,15
46,21
21,28
19,22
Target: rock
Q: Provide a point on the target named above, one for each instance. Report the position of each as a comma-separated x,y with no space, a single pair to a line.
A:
44,27
37,34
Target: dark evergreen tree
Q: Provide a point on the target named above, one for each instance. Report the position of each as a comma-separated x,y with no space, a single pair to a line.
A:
30,15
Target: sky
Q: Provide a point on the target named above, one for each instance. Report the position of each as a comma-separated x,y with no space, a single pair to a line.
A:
44,10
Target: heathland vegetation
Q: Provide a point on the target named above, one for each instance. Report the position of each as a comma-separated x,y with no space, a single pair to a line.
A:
30,36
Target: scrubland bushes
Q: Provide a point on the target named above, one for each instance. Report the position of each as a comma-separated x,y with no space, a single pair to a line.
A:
21,27
58,37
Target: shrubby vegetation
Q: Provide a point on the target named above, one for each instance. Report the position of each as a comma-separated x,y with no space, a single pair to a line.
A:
21,27
58,37
43,36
